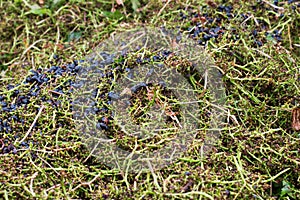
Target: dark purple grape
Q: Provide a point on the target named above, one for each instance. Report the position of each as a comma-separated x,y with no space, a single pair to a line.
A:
56,57
244,16
9,87
8,129
34,94
137,87
187,173
104,110
220,8
52,69
5,109
96,110
150,71
25,144
25,100
206,37
156,58
166,53
11,147
228,9
210,20
13,107
77,68
5,150
113,96
15,118
46,79
101,126
258,43
3,104
201,42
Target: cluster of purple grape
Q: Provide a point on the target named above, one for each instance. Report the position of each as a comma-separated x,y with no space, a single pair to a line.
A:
101,106
29,90
207,26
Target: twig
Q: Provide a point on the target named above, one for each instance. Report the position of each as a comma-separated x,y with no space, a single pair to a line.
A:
31,183
87,183
32,46
262,53
272,5
290,39
55,92
162,9
276,176
36,118
2,144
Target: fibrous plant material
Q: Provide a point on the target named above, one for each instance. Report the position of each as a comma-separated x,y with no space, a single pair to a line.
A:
296,119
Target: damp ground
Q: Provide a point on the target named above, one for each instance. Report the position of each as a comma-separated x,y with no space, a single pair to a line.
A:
256,47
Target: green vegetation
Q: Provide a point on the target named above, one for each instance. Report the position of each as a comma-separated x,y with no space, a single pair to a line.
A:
256,46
